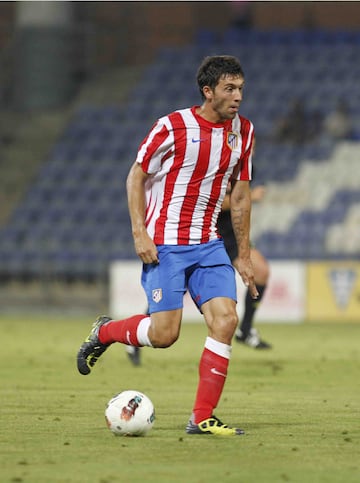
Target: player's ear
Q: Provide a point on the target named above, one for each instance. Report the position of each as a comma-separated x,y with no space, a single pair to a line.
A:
208,93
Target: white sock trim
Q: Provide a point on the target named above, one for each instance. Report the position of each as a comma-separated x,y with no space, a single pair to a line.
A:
219,348
142,332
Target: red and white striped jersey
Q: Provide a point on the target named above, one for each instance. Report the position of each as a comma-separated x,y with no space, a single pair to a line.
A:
190,161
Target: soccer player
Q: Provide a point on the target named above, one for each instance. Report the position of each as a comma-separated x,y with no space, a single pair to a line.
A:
175,190
246,333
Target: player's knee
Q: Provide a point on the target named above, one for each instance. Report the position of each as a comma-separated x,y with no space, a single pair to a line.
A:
165,328
266,273
262,274
164,339
225,325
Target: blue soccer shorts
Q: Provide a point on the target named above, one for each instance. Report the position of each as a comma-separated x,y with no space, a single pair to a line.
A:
205,270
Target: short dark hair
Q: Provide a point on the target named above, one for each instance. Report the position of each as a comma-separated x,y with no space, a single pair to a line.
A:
213,68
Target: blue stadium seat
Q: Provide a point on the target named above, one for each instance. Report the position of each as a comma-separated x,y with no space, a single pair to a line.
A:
74,217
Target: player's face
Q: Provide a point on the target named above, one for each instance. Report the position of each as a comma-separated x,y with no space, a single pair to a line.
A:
225,99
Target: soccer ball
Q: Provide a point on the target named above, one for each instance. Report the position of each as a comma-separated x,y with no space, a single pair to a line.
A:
130,413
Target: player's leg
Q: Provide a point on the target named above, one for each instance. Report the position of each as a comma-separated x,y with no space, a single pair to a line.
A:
220,315
245,332
159,330
164,287
221,318
133,352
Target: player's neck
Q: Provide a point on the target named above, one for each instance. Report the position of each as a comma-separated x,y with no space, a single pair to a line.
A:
207,113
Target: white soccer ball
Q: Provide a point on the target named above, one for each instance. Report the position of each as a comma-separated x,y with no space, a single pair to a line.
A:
130,413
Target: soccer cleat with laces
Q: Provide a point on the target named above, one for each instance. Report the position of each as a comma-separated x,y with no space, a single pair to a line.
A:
92,348
212,425
252,339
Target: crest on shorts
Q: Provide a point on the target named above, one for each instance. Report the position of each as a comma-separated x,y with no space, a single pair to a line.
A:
232,140
157,295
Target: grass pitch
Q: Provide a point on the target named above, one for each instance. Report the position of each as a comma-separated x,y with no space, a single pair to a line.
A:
298,403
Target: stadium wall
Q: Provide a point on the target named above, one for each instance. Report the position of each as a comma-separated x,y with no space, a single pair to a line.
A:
296,292
108,34
294,15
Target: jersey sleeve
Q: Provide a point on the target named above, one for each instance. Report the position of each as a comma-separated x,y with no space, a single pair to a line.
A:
154,147
243,172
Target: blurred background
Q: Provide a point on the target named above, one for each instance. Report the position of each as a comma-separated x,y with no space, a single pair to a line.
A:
81,84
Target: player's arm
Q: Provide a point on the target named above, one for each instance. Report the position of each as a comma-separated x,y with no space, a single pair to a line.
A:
240,206
135,184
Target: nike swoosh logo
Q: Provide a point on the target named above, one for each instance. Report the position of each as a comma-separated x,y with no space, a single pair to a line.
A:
128,336
197,140
218,373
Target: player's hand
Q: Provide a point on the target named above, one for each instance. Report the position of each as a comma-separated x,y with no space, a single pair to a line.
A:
146,249
246,271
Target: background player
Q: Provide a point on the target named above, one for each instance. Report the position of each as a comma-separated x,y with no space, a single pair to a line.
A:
246,333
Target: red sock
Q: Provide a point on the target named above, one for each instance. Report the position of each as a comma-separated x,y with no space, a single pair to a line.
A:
212,377
124,331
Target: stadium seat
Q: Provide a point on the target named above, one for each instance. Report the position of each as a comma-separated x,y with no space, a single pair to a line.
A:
74,217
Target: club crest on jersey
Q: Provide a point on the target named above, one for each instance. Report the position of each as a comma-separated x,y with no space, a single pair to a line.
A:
232,140
157,295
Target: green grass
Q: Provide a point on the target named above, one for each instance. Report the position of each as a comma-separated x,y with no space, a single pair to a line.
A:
299,405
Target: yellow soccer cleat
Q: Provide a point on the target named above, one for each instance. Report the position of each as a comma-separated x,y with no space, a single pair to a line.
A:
212,425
